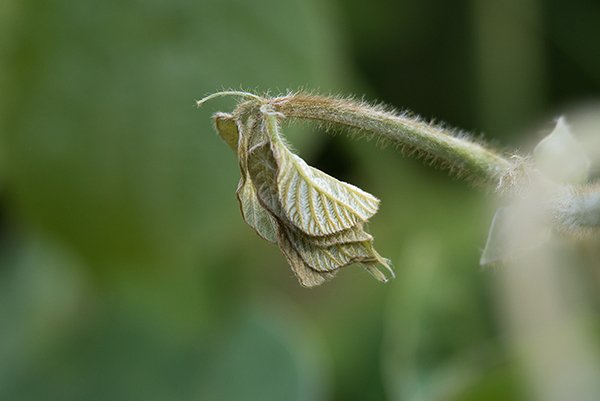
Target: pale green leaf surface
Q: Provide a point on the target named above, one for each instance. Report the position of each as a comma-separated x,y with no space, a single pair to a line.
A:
253,212
305,275
321,253
262,170
332,257
315,202
262,167
354,234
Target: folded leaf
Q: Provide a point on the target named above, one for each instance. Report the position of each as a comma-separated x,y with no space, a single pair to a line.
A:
315,202
262,170
227,128
305,275
253,212
332,257
354,234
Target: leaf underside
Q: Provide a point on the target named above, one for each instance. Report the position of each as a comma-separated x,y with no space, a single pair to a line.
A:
306,276
253,212
317,203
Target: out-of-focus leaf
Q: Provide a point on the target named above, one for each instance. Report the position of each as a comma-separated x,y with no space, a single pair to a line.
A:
561,157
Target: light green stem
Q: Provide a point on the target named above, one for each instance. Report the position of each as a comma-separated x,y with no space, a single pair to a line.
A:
459,154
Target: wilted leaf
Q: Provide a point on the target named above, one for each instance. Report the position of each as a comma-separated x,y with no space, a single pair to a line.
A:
317,220
305,275
354,234
332,257
313,201
262,170
317,203
253,212
226,127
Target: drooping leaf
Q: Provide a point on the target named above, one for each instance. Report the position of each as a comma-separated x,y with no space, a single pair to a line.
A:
263,167
332,257
335,238
317,203
313,201
354,234
262,170
321,253
305,275
226,127
253,212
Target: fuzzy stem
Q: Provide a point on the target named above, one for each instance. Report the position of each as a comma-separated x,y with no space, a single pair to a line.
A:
434,143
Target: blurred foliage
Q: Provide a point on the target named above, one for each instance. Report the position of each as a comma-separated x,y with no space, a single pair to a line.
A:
126,271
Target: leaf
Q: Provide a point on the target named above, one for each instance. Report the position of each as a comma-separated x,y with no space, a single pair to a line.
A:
262,170
309,256
561,157
305,275
332,257
381,269
226,127
313,201
354,234
513,231
253,212
338,255
262,167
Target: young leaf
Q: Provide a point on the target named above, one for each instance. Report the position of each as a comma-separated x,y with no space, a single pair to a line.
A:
253,212
262,170
332,257
315,202
226,127
305,275
354,234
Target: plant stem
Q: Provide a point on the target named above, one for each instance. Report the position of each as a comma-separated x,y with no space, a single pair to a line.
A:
434,143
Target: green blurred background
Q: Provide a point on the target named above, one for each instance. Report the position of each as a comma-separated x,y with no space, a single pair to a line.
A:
126,271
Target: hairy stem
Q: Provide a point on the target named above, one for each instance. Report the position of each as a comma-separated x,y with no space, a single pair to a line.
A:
434,143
